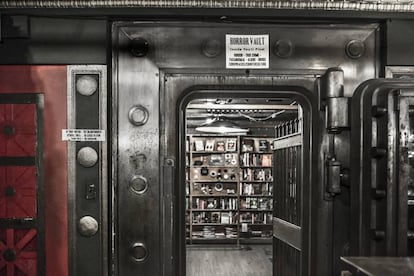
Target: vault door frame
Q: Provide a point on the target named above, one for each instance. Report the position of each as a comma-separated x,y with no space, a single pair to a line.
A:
181,89
146,66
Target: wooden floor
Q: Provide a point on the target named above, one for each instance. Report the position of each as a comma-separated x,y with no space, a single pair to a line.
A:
209,260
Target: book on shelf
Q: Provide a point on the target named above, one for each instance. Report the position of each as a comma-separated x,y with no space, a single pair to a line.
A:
231,144
199,145
263,145
210,145
266,160
225,218
220,146
248,145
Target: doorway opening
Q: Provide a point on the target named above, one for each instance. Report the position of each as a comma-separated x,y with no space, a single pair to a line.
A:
242,172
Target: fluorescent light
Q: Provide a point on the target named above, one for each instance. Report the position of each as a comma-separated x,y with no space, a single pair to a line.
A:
222,127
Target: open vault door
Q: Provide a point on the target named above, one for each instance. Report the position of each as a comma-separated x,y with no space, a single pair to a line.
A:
287,234
382,173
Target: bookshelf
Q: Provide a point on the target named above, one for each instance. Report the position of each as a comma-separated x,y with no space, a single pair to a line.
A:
229,189
256,189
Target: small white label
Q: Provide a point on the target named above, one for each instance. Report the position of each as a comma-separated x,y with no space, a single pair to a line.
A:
247,51
244,228
79,135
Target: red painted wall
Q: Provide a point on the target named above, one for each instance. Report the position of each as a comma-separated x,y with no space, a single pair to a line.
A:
51,81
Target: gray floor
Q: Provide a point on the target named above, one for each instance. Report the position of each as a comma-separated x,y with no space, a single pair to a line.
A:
217,260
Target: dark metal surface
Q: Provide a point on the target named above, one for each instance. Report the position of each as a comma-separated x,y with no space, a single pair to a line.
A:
87,164
288,233
374,217
58,41
379,266
288,200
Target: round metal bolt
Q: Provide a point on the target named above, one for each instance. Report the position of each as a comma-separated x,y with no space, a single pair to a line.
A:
138,184
378,111
10,191
9,255
8,130
88,226
138,252
87,157
139,47
378,152
138,115
211,48
355,49
283,48
86,85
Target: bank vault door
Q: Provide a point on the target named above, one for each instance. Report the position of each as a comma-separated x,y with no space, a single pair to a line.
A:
382,197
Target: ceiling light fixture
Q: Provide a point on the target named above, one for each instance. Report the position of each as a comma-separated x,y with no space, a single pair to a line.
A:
222,127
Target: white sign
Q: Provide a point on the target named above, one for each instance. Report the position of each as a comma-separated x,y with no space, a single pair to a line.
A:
247,51
80,135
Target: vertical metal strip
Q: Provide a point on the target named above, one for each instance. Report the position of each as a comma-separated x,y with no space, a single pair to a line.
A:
401,198
78,206
139,245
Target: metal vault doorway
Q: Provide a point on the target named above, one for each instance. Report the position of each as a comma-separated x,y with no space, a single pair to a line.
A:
157,68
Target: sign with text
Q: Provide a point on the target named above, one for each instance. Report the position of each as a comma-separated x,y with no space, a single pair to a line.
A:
247,51
79,135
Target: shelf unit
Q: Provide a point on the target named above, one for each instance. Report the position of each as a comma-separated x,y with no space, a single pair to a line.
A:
229,189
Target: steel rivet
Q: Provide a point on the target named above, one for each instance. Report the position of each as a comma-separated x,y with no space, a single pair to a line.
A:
355,49
138,184
86,85
139,47
211,48
378,111
138,115
88,226
378,152
283,48
138,252
379,235
87,157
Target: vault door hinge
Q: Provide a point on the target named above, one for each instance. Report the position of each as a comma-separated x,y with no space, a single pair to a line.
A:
336,107
334,102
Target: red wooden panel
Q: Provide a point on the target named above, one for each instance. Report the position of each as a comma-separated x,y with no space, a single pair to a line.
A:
17,130
18,255
17,192
51,81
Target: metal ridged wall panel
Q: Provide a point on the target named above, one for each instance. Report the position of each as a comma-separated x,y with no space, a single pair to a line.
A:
367,5
287,259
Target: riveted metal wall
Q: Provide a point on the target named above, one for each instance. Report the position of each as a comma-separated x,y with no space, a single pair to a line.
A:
87,162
